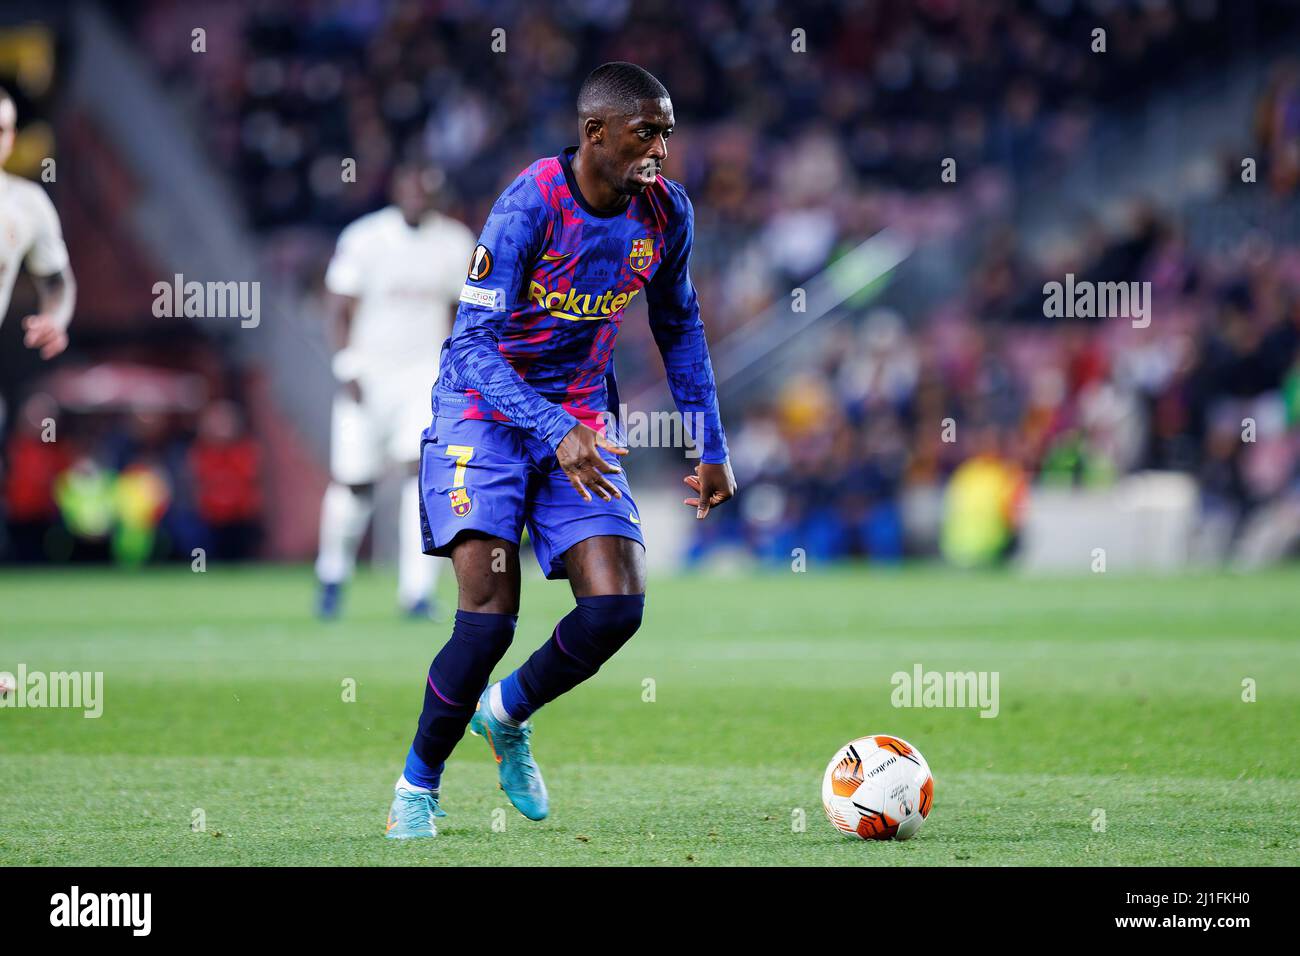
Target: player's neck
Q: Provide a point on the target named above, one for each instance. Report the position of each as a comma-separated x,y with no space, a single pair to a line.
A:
599,195
418,221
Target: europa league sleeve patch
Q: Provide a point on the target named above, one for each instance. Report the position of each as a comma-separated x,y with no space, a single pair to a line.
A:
480,264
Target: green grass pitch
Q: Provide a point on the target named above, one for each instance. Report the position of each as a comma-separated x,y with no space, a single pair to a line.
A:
222,694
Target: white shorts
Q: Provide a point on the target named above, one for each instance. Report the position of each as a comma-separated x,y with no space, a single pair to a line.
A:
385,426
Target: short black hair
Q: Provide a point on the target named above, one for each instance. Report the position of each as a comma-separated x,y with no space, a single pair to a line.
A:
617,87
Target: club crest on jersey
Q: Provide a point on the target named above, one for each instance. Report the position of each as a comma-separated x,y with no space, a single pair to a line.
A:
480,263
460,502
642,254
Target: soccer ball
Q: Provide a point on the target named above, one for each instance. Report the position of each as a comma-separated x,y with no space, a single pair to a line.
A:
878,788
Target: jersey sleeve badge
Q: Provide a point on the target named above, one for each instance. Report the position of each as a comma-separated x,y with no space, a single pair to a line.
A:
480,264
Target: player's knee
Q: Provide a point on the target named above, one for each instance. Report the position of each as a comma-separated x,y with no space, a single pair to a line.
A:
609,621
488,597
491,634
478,642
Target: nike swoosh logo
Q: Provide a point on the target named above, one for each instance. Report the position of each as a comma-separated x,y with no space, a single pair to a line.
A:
634,519
555,256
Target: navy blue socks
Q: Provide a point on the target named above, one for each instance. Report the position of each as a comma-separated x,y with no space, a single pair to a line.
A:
456,678
584,640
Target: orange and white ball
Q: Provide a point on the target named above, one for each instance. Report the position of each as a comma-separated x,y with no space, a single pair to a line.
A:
878,788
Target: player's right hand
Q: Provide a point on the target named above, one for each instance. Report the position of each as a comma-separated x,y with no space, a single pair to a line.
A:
44,332
579,456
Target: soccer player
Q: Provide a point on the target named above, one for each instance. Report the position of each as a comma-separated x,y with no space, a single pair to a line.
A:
392,285
518,434
30,231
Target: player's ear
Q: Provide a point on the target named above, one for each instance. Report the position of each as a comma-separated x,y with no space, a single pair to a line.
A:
594,129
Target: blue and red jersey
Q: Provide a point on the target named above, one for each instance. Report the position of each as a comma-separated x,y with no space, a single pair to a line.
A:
547,288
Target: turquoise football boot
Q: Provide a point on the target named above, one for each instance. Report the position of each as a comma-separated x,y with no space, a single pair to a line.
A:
521,779
412,813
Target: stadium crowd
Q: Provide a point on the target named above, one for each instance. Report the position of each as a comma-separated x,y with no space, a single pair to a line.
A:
789,160
130,486
289,91
852,453
788,157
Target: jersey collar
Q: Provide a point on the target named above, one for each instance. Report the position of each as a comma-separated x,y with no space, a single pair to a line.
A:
566,163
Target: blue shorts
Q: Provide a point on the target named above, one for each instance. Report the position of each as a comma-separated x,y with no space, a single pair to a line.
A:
491,477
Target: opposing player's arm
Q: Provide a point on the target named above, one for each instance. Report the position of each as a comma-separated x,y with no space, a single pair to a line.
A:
56,288
344,283
339,312
679,333
48,329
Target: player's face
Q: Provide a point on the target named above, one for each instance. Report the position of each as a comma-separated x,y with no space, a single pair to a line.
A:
8,126
415,191
639,146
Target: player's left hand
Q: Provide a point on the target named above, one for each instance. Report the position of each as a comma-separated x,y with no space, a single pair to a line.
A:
712,484
46,333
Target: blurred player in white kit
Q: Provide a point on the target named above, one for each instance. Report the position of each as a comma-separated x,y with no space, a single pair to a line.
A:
393,285
30,232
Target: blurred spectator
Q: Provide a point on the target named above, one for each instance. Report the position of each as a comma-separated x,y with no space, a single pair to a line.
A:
141,495
84,493
1277,127
33,465
224,466
982,505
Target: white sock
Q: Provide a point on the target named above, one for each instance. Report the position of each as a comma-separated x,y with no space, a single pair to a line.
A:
499,709
417,572
343,519
404,784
